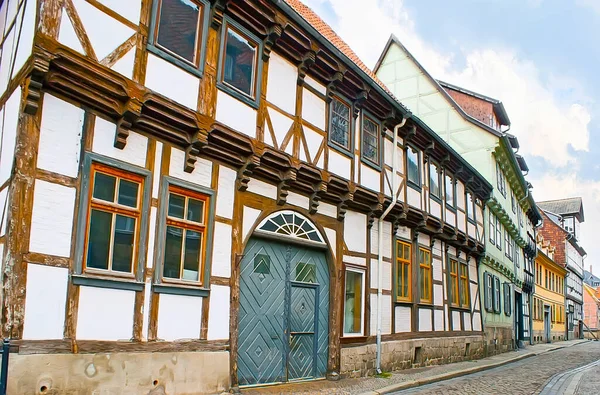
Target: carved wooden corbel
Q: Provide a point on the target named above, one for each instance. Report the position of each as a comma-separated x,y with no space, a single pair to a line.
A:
374,213
132,112
342,206
427,151
33,83
398,221
273,35
319,190
412,131
218,11
307,61
244,173
283,187
199,141
336,79
359,102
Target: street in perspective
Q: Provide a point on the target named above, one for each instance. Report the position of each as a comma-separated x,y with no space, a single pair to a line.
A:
299,197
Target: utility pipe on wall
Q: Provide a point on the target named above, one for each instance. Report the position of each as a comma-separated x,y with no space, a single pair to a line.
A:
380,241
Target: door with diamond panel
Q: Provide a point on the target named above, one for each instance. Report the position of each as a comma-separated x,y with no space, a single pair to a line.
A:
283,329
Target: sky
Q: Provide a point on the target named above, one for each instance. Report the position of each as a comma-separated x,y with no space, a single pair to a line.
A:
539,57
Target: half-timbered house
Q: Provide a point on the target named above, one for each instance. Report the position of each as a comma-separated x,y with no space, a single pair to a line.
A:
200,195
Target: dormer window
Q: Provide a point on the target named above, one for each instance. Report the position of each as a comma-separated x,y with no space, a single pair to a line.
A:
569,224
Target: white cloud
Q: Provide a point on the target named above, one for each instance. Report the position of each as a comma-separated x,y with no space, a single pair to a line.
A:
593,4
536,113
554,186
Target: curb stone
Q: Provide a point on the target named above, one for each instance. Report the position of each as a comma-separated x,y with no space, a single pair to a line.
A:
459,373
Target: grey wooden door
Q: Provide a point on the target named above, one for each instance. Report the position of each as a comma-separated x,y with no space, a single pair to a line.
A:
283,329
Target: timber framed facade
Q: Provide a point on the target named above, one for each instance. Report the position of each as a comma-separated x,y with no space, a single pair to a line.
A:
158,196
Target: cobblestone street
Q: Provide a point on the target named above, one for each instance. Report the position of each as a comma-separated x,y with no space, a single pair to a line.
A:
528,376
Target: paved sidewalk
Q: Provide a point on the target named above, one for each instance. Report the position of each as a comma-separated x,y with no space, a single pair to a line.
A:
409,378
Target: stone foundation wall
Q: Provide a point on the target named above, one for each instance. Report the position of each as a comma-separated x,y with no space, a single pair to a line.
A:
119,373
498,340
555,336
357,361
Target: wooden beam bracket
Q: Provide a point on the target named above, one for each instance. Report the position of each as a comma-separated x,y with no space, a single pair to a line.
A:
308,59
199,141
244,173
273,35
33,83
130,116
283,186
320,189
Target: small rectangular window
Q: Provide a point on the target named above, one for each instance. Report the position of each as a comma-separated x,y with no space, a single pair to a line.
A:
492,228
513,203
507,300
370,140
178,29
497,296
449,189
464,285
403,259
434,180
185,237
470,206
414,168
498,234
339,124
489,291
239,63
425,278
114,214
454,283
353,303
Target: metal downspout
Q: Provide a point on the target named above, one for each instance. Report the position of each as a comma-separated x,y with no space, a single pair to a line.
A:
380,243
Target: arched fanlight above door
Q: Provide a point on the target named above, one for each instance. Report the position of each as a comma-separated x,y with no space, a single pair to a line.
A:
290,224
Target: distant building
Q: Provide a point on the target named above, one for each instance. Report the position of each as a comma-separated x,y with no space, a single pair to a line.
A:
591,311
562,219
548,309
590,279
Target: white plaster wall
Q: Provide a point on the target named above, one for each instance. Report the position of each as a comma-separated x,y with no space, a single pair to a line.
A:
331,235
403,232
435,208
438,318
68,37
296,199
125,64
226,192
250,216
450,217
403,319
146,311
315,84
437,269
355,231
387,239
201,175
356,260
461,221
45,298
157,165
221,259
104,143
173,82
9,134
467,321
105,314
438,294
413,197
339,164
52,219
370,178
281,83
474,296
27,21
425,323
281,126
262,188
218,313
327,209
386,314
104,32
235,114
476,321
151,238
386,279
313,109
129,9
179,317
60,137
460,195
446,316
471,231
456,320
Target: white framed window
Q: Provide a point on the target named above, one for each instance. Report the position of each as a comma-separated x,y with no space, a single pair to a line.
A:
354,302
492,228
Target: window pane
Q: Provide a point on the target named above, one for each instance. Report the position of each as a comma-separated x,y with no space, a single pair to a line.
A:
195,211
340,123
99,239
406,280
104,187
173,247
422,281
449,191
434,180
413,165
370,143
240,57
193,249
128,193
176,206
353,302
123,243
178,27
306,272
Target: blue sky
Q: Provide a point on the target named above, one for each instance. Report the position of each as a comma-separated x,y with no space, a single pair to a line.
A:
540,57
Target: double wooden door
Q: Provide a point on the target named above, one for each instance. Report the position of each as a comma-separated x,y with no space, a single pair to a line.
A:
283,330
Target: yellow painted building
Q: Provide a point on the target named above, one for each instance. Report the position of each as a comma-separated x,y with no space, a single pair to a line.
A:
548,308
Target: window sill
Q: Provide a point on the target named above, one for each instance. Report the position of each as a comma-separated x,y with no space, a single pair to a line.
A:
180,290
435,198
450,207
349,338
370,163
110,283
339,148
176,61
460,308
414,185
404,302
238,95
471,221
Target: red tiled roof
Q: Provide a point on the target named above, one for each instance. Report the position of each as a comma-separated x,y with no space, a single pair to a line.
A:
326,31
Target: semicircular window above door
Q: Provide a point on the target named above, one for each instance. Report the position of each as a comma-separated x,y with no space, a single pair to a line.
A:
291,224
